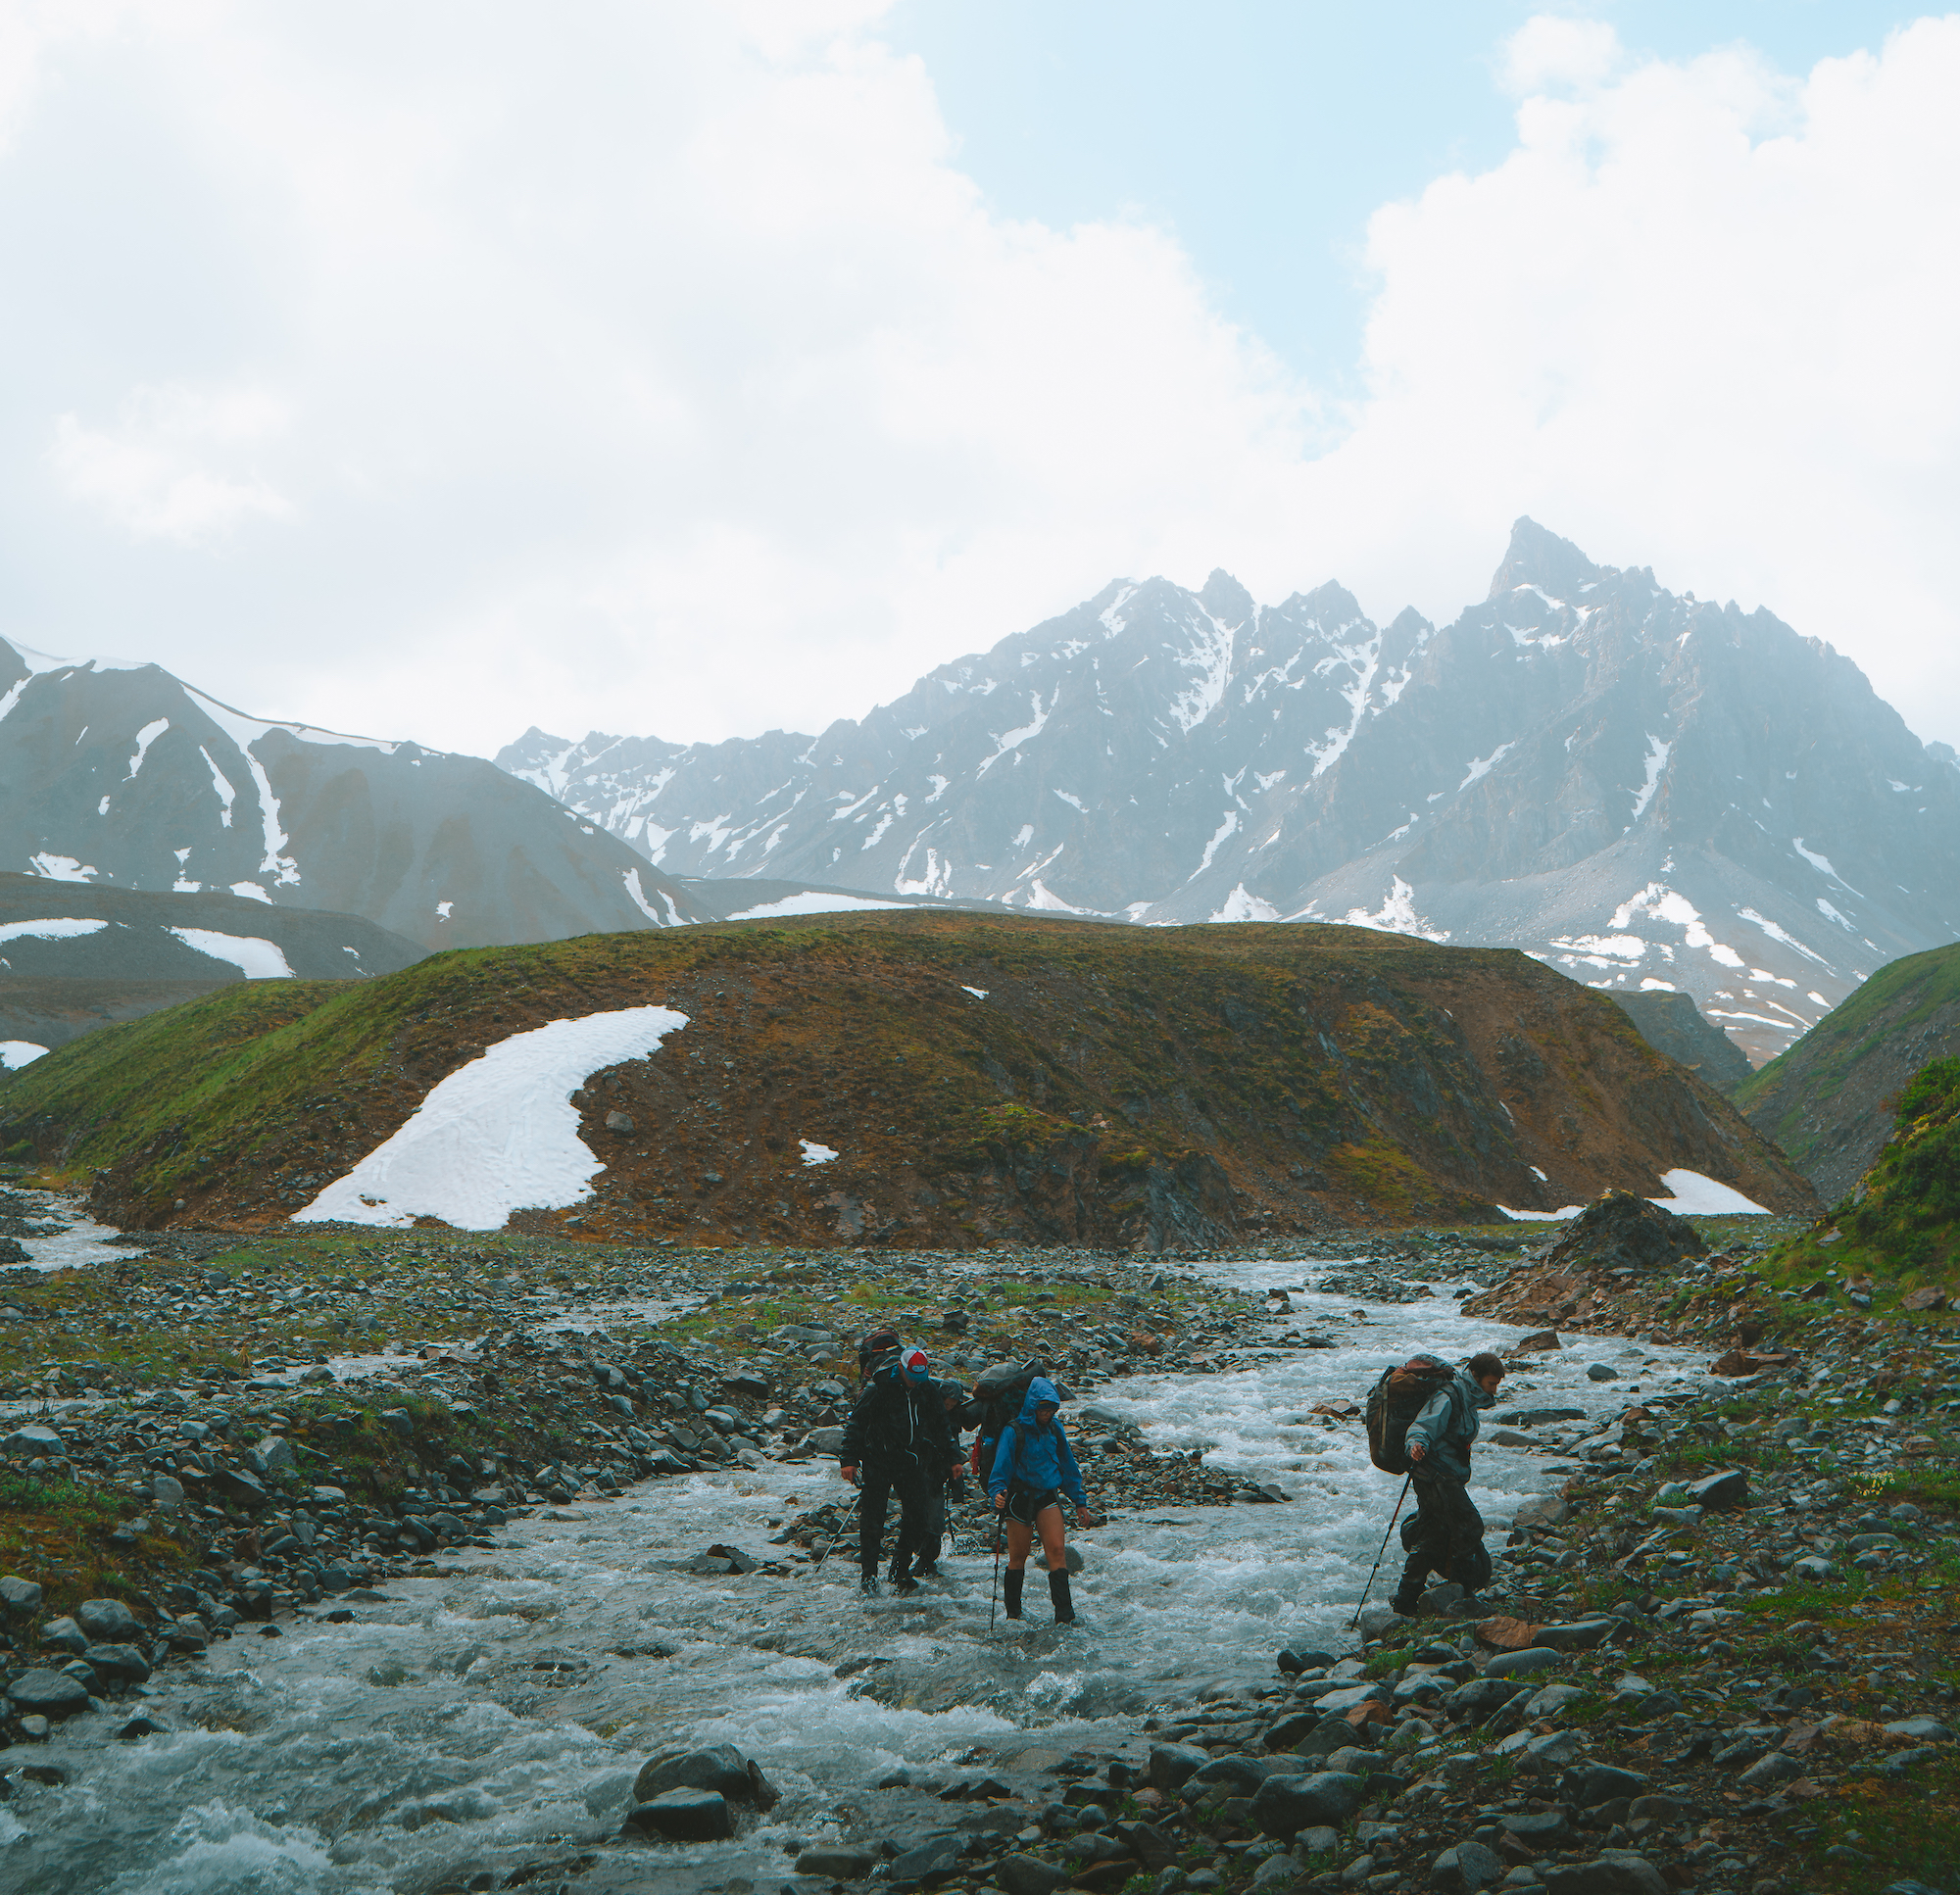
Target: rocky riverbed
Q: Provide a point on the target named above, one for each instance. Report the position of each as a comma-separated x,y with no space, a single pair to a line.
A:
587,1487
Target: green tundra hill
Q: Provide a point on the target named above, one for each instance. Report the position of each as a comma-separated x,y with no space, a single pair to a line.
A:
983,1079
1829,1100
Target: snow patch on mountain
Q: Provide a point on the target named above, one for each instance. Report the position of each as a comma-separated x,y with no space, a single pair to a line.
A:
500,1135
256,958
1397,915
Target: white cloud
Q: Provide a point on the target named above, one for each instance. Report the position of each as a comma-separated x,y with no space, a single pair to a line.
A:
658,367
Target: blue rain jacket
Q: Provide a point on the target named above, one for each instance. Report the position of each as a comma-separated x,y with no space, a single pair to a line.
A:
1034,1455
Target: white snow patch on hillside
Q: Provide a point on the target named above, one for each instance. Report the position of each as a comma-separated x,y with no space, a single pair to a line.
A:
1483,765
219,781
55,928
499,1134
816,1154
1822,864
58,868
1041,895
1242,904
1073,802
639,899
1838,916
1698,1196
1224,831
15,1053
978,993
1363,660
1397,915
1656,764
1662,903
1775,933
145,736
256,958
1014,738
1628,948
250,892
1211,657
811,903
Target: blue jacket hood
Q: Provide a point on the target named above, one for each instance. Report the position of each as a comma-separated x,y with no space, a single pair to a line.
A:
1040,1390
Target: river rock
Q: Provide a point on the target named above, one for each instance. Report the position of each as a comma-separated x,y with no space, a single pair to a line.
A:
719,1768
107,1620
273,1455
1578,1635
64,1635
50,1694
1481,1698
19,1598
1622,1232
1730,1488
1029,1875
1172,1766
1534,1658
1601,1372
934,1856
166,1490
837,1864
1776,1767
1240,1775
1603,1782
684,1816
1283,1806
1467,1867
1540,1828
123,1662
1612,1872
1925,1730
234,1484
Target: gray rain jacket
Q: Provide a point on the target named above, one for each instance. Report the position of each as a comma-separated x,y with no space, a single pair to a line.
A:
1447,1425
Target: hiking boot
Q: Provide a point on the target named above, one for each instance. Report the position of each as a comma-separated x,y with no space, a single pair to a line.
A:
904,1586
869,1586
1065,1606
1012,1583
1405,1605
926,1570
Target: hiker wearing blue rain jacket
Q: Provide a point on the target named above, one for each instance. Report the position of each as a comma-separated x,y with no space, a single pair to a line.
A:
1034,1467
1445,1532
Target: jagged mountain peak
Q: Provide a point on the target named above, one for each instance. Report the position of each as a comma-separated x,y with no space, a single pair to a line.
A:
1225,599
1538,556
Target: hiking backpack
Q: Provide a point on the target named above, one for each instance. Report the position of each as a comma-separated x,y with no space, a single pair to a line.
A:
1396,1401
999,1393
875,1350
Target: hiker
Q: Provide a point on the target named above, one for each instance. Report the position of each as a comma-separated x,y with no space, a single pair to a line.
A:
1446,1534
897,1434
1033,1468
960,1416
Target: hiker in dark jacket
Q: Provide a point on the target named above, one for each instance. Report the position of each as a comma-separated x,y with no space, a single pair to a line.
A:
1446,1533
955,1401
897,1433
1033,1468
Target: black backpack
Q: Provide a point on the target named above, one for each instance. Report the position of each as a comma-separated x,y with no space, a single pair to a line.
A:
998,1394
1396,1401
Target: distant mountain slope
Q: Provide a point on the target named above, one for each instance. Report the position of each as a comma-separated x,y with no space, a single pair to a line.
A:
1673,1024
1648,791
79,930
122,774
971,1078
1828,1102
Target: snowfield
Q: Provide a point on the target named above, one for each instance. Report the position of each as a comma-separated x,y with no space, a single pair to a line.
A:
498,1135
1694,1197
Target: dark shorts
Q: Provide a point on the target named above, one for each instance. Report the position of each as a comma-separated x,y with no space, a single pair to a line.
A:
1028,1504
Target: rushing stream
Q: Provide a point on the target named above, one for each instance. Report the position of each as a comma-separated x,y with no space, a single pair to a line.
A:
497,1716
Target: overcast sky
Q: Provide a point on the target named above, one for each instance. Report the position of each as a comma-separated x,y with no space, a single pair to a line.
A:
441,369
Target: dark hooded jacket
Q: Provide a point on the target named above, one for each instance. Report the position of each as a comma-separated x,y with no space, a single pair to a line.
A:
1447,1425
894,1422
1036,1453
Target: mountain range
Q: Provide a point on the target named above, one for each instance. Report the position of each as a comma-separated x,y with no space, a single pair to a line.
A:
1649,792
121,774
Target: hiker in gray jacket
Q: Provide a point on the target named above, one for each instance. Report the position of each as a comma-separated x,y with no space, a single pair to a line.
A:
1446,1533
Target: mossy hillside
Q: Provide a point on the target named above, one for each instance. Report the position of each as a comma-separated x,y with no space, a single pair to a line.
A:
1828,1099
1900,1229
1113,1084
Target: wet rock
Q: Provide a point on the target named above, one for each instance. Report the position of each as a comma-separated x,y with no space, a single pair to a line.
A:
1467,1866
125,1664
1534,1658
1554,1749
1612,1872
1377,1620
1283,1806
836,1863
273,1455
64,1635
1603,1782
1730,1488
1925,1730
683,1816
1481,1696
935,1856
1578,1636
34,1441
1601,1372
1776,1767
719,1768
105,1620
19,1598
1239,1776
140,1726
1029,1875
1539,1339
49,1694
1540,1828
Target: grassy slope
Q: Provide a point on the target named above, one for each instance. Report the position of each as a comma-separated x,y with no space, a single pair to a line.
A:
1114,1082
1827,1101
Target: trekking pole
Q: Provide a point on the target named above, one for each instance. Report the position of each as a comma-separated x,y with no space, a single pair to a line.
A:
839,1534
1382,1555
994,1595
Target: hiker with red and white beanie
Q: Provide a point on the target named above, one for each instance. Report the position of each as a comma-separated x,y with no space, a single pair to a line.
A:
898,1436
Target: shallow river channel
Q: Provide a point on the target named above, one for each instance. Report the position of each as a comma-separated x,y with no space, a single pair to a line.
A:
498,1714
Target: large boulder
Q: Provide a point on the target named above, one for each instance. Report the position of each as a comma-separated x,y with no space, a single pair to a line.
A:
1612,1872
50,1694
1172,1766
1622,1232
106,1621
683,1816
1286,1805
719,1768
